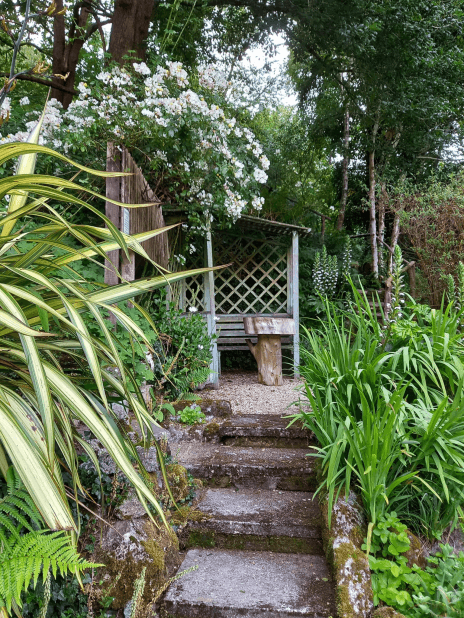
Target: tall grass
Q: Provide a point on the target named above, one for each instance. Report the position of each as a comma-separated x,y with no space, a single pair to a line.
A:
388,412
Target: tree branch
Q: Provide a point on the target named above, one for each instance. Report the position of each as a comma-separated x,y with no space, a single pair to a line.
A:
29,44
98,25
39,80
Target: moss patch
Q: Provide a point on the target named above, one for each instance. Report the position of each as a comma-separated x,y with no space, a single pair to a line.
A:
188,513
297,483
178,481
415,553
218,481
387,612
264,442
211,430
162,560
250,542
353,577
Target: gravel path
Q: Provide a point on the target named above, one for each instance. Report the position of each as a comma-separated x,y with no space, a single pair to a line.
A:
248,397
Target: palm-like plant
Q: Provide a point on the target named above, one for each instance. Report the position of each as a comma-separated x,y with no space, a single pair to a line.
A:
42,299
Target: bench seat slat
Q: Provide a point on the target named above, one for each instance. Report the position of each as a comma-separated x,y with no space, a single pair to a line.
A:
228,340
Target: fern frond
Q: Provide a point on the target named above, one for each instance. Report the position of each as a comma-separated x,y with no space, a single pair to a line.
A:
17,505
184,383
25,558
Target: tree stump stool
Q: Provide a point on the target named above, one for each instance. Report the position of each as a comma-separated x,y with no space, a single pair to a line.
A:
268,350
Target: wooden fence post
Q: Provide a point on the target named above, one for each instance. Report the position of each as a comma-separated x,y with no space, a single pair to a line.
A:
210,307
296,304
113,191
128,190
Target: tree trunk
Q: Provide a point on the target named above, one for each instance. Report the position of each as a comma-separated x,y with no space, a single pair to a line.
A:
131,23
66,54
323,218
345,164
372,221
268,355
381,234
372,217
394,240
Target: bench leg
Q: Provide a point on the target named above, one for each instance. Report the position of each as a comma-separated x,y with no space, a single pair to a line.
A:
268,354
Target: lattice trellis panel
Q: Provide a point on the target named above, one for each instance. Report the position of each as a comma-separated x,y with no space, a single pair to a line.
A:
257,280
193,292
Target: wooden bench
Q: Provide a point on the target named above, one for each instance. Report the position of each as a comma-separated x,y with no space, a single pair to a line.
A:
231,331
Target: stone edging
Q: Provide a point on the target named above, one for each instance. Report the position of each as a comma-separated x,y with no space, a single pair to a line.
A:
350,567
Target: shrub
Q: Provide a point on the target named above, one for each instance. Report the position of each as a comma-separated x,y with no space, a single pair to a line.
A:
179,353
432,217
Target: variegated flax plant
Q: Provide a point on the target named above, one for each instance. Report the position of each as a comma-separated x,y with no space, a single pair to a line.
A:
42,299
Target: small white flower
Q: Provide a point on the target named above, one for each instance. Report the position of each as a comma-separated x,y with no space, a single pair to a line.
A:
141,68
200,347
193,309
24,101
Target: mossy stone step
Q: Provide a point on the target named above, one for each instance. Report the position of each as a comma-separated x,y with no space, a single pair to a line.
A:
268,430
228,584
264,468
282,521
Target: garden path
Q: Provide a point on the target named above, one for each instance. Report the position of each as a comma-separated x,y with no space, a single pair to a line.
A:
246,396
259,548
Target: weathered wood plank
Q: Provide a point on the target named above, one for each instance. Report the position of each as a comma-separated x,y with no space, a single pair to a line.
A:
229,340
149,218
228,326
224,348
231,333
238,317
238,340
259,325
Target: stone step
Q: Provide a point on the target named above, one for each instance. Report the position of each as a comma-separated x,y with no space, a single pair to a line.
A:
257,519
268,430
228,584
264,468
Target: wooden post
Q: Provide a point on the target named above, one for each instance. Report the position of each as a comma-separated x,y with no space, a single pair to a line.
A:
113,191
211,308
296,304
268,354
268,350
127,197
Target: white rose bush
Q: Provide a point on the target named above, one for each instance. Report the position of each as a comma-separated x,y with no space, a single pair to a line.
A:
192,150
